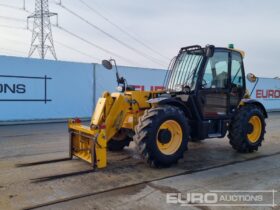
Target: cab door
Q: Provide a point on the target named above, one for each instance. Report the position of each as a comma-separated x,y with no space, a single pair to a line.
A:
213,92
237,81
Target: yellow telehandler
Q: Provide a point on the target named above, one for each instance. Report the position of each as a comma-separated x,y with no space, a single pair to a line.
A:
205,97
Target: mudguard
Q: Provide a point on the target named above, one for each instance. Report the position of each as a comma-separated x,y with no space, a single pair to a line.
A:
245,101
171,101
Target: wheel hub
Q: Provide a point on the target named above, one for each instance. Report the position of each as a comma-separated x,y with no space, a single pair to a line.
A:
164,136
250,128
255,129
169,137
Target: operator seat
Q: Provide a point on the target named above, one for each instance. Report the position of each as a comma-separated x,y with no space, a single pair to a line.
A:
220,81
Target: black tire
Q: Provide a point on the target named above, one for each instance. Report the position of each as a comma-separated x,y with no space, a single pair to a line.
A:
146,135
240,127
118,145
119,141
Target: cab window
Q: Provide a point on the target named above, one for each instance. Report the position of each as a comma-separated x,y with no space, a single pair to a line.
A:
216,72
236,71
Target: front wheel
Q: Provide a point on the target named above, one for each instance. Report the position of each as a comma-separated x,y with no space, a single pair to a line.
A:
247,129
162,136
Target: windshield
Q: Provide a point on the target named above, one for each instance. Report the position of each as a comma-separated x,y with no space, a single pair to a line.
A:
184,70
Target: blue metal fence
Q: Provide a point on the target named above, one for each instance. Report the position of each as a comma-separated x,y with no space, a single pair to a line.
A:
33,89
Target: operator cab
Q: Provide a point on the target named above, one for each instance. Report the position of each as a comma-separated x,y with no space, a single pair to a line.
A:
213,80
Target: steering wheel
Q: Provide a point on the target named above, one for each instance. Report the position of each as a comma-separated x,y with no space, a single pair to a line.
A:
204,83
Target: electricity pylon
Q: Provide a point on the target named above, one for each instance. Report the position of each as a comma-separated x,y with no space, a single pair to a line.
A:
42,39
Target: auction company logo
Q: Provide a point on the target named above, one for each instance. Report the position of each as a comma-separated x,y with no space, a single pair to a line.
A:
14,88
268,94
23,88
237,198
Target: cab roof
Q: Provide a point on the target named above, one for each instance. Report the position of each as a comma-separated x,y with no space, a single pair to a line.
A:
198,47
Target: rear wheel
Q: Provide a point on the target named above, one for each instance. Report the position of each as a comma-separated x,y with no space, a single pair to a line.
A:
162,135
247,129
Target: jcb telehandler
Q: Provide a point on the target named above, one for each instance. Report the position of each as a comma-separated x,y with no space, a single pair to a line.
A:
205,96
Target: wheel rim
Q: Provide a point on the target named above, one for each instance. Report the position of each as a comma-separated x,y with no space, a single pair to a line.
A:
256,123
175,141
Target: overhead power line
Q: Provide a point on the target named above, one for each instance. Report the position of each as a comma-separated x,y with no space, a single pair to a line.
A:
122,29
12,27
23,8
10,6
73,35
75,50
57,42
95,45
11,18
9,50
109,35
13,40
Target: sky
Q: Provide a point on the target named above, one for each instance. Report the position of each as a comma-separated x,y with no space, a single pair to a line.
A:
161,28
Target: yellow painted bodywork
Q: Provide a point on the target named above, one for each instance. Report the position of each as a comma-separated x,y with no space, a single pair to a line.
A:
113,112
240,51
246,96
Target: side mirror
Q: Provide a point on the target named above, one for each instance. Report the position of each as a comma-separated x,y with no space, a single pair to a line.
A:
251,77
107,64
209,50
